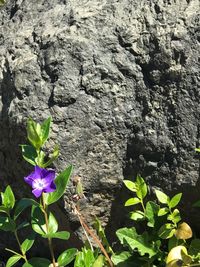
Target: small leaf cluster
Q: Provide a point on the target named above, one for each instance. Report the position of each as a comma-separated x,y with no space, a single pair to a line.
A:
162,231
37,135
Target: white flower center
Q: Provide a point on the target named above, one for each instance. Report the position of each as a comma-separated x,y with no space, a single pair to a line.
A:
39,183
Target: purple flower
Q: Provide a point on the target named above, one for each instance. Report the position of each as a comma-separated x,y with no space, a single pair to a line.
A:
41,180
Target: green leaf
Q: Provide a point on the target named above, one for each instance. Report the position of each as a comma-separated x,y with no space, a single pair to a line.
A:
4,210
129,236
33,133
101,234
197,149
38,220
8,198
121,257
163,211
132,201
130,185
45,128
29,153
162,197
137,215
53,157
84,258
53,225
28,243
40,159
39,224
61,182
67,256
22,205
151,212
99,262
166,231
175,200
37,262
7,224
141,187
12,260
60,235
174,216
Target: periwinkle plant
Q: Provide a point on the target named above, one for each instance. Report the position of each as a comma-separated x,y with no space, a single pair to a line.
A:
47,188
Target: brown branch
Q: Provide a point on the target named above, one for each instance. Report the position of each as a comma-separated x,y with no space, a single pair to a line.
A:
92,234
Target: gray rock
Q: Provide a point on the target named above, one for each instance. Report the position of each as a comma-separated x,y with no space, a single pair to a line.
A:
120,79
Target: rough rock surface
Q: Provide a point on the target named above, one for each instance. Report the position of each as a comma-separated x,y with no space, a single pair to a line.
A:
120,79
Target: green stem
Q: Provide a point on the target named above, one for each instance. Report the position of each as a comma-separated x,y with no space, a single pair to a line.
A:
47,226
19,244
142,203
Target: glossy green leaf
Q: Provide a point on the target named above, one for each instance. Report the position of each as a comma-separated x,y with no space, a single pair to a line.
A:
121,257
53,225
162,197
33,133
137,215
40,159
67,256
22,205
130,185
29,154
141,187
175,200
99,262
37,262
101,234
129,236
174,216
8,198
28,243
166,231
39,224
84,258
4,210
151,212
163,211
61,182
132,201
38,220
12,260
45,128
7,224
60,235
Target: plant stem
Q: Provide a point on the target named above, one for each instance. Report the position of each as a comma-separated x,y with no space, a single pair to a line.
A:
142,203
47,226
18,242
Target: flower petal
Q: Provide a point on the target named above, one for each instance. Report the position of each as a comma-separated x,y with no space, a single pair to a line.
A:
29,179
48,175
34,175
37,192
38,172
50,188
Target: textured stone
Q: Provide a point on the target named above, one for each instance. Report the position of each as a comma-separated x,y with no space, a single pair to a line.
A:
120,79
